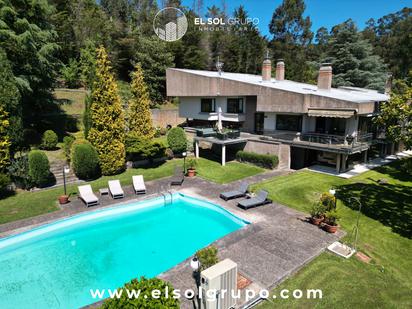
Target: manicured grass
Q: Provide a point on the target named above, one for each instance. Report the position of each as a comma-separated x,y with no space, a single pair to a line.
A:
70,101
28,204
215,172
384,235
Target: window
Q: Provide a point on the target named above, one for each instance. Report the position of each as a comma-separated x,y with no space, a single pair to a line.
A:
207,105
235,105
289,122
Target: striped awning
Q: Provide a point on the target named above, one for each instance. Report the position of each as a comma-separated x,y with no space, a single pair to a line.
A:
333,113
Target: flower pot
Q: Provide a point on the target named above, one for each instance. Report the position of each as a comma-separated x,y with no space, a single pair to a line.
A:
330,228
63,199
191,172
316,220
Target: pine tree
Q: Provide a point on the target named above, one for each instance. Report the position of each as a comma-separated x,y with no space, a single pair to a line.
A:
10,102
107,129
140,118
354,63
4,139
291,38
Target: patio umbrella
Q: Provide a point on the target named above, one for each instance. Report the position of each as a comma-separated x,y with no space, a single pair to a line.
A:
219,120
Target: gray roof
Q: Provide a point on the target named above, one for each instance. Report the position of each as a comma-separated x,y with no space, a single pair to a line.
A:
352,94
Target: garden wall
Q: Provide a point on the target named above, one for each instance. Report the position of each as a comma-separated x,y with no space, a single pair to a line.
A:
163,117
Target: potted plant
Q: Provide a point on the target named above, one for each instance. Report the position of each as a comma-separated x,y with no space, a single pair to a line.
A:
331,222
191,167
63,199
317,214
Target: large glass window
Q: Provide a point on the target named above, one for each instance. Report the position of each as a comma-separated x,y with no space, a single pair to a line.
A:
235,105
289,122
207,105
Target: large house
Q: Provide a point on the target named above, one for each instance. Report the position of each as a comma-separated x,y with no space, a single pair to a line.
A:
316,123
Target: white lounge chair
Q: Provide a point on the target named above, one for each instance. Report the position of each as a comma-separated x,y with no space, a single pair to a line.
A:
87,195
138,184
115,189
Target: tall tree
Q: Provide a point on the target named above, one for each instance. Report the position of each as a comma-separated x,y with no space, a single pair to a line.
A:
245,48
29,42
354,63
291,36
390,36
107,132
10,102
155,58
139,115
396,115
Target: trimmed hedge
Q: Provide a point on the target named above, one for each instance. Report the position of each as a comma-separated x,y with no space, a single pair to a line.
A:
177,141
264,160
39,169
67,145
143,149
49,140
85,161
146,299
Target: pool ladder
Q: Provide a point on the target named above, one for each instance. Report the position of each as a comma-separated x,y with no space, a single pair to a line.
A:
165,195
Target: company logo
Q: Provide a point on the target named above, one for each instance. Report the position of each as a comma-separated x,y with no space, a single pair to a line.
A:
170,24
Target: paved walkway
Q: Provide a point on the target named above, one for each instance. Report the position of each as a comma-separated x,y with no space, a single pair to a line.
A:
362,167
277,243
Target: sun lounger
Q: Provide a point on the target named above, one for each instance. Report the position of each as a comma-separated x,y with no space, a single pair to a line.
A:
138,184
260,199
115,189
87,196
178,177
240,192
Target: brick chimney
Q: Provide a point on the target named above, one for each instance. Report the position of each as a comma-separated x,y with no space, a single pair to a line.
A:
267,69
325,76
280,70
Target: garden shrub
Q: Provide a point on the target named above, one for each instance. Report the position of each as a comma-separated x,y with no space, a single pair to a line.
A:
19,171
143,149
39,169
5,182
85,161
67,145
328,201
265,160
207,257
49,140
176,139
145,299
71,74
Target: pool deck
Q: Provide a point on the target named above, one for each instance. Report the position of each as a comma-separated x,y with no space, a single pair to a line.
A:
277,243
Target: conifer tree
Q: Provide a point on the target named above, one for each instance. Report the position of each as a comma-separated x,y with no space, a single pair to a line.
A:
4,139
107,129
140,118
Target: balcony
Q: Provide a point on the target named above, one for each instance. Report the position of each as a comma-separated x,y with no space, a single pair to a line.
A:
325,142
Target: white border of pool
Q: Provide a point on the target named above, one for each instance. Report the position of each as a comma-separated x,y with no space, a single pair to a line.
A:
115,210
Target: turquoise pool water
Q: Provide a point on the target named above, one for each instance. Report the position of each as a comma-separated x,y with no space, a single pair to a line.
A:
56,265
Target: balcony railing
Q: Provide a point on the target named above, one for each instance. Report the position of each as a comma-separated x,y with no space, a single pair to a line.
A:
322,141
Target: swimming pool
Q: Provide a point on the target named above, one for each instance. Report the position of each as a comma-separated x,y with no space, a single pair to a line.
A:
56,265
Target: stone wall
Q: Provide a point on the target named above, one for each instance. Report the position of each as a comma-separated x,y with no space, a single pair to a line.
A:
163,117
270,147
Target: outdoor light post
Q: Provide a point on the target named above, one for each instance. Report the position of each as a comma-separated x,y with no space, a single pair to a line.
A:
195,266
184,154
333,192
66,170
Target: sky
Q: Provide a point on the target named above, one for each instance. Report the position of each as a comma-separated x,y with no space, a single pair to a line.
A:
322,12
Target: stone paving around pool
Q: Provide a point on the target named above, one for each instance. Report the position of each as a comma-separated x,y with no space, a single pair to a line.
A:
277,243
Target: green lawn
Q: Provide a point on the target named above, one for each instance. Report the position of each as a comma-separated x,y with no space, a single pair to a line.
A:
71,101
385,235
28,204
213,171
